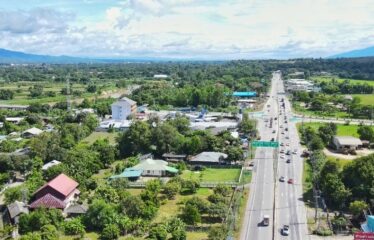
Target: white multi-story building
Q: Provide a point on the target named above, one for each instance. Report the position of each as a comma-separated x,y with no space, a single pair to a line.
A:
123,108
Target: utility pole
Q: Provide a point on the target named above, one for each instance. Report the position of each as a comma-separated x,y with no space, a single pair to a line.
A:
68,103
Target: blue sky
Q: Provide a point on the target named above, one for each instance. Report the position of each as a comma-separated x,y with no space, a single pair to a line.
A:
205,29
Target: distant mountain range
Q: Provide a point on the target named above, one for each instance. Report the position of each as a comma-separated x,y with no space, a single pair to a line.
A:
8,56
365,52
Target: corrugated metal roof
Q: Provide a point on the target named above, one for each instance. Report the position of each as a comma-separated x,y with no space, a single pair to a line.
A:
48,201
16,208
348,140
128,173
62,184
209,157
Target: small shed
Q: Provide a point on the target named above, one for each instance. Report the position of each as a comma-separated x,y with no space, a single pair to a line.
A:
342,143
75,210
15,210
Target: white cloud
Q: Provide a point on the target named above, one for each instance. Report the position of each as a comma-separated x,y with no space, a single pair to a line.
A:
209,29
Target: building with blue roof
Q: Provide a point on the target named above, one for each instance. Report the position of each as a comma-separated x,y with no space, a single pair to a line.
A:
244,94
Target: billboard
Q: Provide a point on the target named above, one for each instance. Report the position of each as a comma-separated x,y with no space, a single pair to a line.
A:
364,236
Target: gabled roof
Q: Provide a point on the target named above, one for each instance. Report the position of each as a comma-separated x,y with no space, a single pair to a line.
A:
154,165
48,201
76,208
62,184
209,157
50,164
33,131
16,208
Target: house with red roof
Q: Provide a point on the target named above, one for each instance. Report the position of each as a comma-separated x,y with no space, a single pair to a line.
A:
60,192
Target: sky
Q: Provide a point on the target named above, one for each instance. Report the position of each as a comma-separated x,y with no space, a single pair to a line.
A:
187,29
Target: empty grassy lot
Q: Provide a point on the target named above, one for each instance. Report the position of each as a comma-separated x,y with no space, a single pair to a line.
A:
343,130
213,174
321,79
21,91
366,99
101,135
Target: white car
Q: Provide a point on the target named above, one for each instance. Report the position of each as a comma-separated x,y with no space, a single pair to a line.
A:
286,230
281,179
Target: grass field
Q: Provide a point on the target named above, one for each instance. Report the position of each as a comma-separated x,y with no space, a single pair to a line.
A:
322,79
100,135
302,110
213,174
172,207
366,99
21,92
343,130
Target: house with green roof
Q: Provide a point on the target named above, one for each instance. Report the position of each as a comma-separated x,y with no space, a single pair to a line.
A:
147,168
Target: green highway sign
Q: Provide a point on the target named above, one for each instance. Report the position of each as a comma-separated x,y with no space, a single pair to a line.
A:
265,144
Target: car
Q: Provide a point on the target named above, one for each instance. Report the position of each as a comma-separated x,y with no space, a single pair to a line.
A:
282,132
290,181
272,139
251,164
282,156
281,126
287,137
285,230
285,121
266,220
287,144
282,144
286,129
288,152
294,151
288,161
281,179
273,131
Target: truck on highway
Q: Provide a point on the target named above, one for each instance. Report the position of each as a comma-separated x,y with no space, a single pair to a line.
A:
266,220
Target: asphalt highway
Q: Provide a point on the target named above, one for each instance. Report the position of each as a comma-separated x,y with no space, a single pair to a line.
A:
281,201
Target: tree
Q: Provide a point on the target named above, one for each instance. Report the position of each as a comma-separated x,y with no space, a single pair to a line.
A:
234,154
357,207
110,232
36,91
137,139
222,190
334,190
158,232
177,228
246,125
92,88
366,133
217,210
326,132
167,139
190,214
31,236
171,189
358,177
107,152
49,232
35,220
315,143
217,233
190,185
13,194
99,215
74,227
